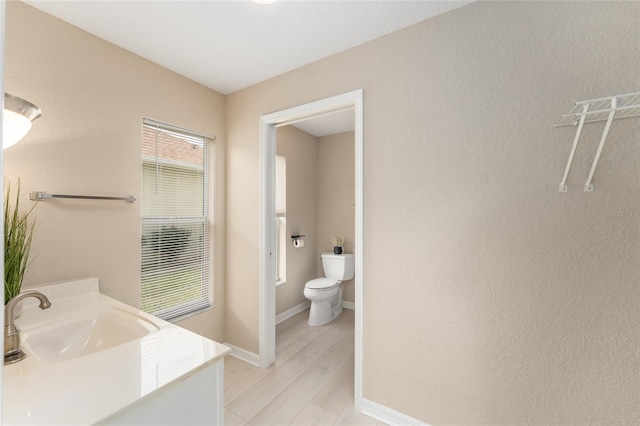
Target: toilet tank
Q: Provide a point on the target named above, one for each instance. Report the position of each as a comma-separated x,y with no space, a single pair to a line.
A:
338,266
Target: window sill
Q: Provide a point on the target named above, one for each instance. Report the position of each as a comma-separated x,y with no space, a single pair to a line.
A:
278,283
190,314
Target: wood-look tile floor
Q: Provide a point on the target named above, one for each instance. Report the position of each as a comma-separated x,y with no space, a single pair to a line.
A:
311,382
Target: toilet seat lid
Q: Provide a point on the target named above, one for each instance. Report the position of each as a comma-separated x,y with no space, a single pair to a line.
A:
321,283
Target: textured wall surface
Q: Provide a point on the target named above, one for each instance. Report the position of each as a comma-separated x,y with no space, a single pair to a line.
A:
489,297
93,96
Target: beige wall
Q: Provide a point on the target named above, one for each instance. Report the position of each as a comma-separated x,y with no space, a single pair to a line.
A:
490,298
336,198
93,97
300,150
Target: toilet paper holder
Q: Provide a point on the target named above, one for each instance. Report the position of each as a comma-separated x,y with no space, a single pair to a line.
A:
297,241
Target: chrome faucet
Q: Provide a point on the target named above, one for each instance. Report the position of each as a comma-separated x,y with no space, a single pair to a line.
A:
12,351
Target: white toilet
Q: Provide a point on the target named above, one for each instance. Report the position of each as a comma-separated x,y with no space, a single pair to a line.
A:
326,293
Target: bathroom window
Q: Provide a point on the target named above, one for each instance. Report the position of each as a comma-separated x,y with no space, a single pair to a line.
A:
281,220
176,246
281,250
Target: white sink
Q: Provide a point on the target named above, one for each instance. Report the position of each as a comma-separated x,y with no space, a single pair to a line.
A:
84,334
92,360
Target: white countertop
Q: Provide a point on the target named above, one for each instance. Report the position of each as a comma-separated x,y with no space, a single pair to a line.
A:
89,389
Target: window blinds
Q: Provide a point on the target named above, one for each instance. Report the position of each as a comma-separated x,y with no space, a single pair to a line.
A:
176,230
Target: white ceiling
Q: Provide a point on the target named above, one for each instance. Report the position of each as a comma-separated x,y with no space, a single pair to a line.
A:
230,45
328,124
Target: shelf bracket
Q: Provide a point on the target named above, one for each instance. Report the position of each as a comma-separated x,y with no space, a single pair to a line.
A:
595,110
588,186
563,184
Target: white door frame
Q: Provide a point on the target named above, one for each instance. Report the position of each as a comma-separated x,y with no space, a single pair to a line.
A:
2,27
268,141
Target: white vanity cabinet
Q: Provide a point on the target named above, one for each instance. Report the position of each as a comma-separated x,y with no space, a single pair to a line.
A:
196,400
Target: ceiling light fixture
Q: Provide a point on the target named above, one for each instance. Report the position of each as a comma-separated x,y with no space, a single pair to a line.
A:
264,1
17,117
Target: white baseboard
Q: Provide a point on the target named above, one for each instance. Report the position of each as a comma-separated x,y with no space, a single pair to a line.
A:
348,305
293,311
304,305
387,415
243,355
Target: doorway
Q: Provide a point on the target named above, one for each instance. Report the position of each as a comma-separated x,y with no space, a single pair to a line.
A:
268,238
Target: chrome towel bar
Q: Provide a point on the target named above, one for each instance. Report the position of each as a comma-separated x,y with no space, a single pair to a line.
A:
41,196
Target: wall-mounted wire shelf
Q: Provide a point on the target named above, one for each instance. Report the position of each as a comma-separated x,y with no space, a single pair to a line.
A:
595,110
41,196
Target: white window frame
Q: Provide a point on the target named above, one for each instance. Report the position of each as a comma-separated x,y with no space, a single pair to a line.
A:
181,311
281,250
281,220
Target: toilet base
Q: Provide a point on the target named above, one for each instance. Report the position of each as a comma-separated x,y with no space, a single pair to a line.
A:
323,312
